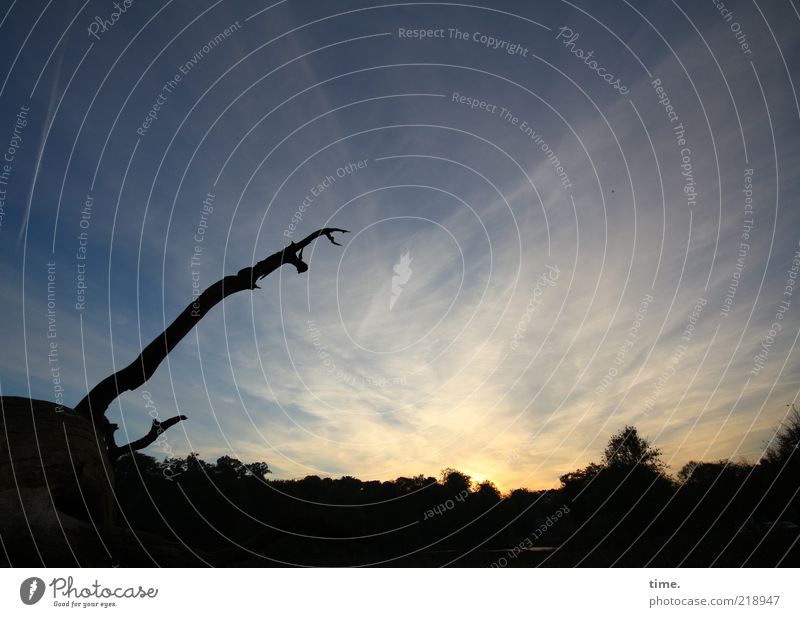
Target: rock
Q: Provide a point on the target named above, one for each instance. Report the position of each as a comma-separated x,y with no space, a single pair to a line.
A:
56,485
57,504
59,451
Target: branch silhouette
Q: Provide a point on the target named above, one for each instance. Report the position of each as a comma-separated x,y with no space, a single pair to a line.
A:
114,452
94,405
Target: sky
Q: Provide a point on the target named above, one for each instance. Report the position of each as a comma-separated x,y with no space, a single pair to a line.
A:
564,218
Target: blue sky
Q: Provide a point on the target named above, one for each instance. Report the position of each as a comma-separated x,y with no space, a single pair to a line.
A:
569,262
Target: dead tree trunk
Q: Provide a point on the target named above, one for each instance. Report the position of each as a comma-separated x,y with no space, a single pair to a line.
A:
94,405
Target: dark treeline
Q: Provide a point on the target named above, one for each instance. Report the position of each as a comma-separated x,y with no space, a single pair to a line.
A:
626,510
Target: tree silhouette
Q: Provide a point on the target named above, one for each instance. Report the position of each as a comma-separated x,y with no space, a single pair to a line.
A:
229,468
627,450
455,481
784,446
257,470
94,405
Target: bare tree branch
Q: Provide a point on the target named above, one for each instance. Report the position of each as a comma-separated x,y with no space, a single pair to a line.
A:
96,402
114,452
